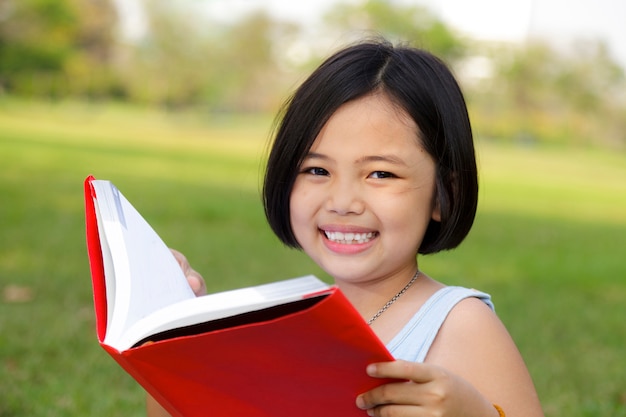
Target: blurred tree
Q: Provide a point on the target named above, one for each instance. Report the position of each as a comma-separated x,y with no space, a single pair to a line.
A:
254,74
172,63
414,24
57,48
526,77
537,93
34,41
188,60
91,67
589,78
593,87
46,43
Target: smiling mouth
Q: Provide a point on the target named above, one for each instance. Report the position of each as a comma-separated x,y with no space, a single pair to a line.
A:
350,238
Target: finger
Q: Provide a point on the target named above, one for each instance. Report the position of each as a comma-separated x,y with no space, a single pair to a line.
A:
399,393
194,279
196,282
413,371
393,410
181,259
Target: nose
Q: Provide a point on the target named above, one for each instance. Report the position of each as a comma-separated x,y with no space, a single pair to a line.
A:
345,198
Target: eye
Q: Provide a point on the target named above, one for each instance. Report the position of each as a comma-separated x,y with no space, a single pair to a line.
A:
315,171
381,175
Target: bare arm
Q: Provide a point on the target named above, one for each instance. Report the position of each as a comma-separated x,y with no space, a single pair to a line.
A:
474,344
154,409
472,365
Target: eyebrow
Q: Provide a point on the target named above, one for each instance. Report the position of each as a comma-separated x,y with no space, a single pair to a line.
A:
393,159
315,155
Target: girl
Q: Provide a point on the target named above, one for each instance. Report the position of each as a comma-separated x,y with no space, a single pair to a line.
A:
373,162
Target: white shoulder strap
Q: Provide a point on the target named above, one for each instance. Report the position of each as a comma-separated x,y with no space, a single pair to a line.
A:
415,339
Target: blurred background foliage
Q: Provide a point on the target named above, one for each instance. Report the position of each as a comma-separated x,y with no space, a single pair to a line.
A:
531,92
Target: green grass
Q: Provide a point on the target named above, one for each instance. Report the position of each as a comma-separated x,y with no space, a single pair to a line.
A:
548,244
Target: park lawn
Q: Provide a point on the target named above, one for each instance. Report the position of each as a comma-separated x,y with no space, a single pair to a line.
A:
548,244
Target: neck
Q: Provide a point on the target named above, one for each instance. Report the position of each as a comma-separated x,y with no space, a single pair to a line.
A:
368,297
394,298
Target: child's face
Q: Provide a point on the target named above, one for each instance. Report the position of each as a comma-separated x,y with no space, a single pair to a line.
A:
365,193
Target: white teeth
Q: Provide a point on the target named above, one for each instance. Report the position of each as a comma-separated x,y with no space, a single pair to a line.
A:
349,238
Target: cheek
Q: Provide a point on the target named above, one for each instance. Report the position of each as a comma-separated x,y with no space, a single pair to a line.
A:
407,218
299,209
304,197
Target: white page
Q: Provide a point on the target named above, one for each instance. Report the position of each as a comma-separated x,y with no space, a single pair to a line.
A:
220,305
136,250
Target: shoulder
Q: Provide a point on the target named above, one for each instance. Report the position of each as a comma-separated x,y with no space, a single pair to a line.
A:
472,312
473,341
474,344
473,325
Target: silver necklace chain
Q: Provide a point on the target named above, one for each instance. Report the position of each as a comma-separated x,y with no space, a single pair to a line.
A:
394,298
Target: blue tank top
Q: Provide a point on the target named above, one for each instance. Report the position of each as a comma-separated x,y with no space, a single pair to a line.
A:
415,338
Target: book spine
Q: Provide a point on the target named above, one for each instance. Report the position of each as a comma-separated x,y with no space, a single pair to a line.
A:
96,264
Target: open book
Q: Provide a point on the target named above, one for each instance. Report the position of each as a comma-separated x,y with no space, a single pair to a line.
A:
292,347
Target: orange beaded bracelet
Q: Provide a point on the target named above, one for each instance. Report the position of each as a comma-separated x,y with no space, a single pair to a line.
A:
500,410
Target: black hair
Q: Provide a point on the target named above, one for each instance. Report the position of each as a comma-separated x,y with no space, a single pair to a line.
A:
418,83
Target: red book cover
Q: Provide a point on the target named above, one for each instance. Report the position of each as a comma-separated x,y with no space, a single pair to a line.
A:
303,358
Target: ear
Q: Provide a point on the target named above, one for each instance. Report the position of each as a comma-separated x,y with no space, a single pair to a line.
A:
436,213
437,197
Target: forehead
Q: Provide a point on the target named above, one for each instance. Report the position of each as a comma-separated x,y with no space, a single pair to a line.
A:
369,123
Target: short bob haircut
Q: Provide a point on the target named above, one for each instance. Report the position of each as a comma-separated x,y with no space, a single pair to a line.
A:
419,84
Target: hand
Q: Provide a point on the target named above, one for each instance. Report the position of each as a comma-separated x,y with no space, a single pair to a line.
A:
428,391
195,280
